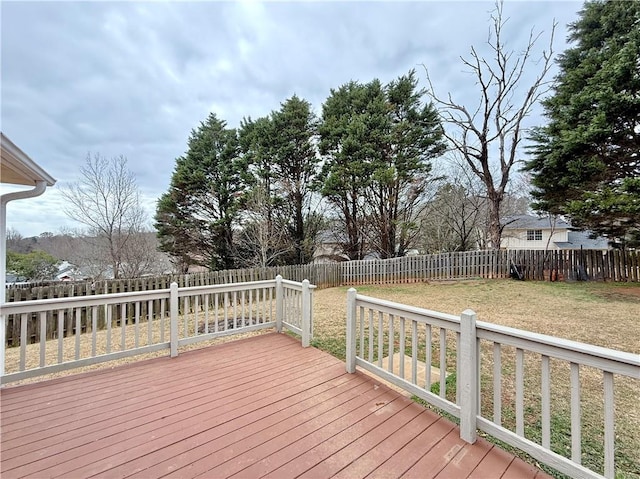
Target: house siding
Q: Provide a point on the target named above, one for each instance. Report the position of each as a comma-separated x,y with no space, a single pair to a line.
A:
517,239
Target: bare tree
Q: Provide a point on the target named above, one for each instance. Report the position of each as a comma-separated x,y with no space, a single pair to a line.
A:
107,202
141,256
489,134
264,238
16,242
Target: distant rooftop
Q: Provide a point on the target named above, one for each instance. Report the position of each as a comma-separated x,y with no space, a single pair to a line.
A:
517,222
582,239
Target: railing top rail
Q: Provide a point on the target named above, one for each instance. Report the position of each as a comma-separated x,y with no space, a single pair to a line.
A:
403,308
223,288
296,285
38,305
543,343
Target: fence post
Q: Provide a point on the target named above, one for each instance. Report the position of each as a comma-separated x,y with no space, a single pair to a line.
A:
306,314
468,380
173,308
351,330
279,303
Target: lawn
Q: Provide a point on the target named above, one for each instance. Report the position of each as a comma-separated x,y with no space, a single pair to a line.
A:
602,314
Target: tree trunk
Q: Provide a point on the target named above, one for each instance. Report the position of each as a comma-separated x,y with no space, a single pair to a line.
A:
495,229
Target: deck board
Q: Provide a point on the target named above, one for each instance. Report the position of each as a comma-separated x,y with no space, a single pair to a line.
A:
257,407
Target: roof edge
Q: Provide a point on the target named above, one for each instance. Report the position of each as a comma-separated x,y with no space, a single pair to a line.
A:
35,170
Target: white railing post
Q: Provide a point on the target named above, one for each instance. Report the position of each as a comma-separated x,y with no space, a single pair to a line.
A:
306,314
351,330
468,380
173,311
279,303
3,340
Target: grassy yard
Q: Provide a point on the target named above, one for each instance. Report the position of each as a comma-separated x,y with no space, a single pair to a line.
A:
602,314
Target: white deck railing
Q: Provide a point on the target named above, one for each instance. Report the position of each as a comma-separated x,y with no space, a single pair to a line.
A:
477,350
98,328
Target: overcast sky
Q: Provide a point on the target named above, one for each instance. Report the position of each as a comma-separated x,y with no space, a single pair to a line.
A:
134,78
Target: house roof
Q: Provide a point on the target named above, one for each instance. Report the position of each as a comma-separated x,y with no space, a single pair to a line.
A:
582,239
519,222
17,168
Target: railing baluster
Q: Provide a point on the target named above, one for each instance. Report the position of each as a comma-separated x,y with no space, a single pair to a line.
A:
23,341
185,316
242,298
149,322
380,338
78,332
109,311
427,362
392,341
196,313
43,338
251,306
497,384
361,317
163,314
519,392
136,312
576,447
94,327
370,335
458,376
235,310
443,362
546,402
123,326
216,305
226,311
401,348
479,375
609,426
414,352
206,313
60,335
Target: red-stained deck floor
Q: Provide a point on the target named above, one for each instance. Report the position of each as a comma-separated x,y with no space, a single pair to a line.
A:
262,406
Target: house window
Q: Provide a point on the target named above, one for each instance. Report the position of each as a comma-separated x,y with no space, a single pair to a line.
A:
534,235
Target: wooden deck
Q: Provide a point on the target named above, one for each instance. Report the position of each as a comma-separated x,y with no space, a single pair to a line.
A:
262,406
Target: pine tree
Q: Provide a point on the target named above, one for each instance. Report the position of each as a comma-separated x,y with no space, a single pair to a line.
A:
586,160
195,217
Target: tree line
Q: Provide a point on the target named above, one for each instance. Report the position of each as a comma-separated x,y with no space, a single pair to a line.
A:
363,170
366,173
251,195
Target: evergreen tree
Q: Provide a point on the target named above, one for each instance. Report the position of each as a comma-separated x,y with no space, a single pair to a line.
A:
195,217
354,124
378,142
296,163
403,173
586,161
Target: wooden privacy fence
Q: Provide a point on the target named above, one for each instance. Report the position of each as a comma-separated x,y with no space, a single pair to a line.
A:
568,265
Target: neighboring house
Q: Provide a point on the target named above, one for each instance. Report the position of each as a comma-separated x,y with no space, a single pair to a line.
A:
69,272
532,232
329,247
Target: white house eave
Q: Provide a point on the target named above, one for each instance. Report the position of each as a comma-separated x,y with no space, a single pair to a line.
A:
17,168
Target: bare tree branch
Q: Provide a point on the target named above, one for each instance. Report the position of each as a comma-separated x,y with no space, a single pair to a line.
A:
491,136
